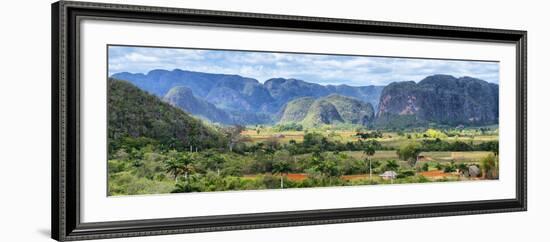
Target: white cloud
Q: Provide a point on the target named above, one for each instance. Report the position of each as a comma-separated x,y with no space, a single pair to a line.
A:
137,57
324,69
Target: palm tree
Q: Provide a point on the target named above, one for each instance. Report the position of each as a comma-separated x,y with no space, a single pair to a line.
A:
185,162
369,151
215,162
180,164
391,165
281,168
173,167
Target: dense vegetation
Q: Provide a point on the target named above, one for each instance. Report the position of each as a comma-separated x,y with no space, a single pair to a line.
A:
143,168
156,147
135,116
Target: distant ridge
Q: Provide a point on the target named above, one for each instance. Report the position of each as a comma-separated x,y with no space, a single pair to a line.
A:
440,99
183,98
247,96
233,99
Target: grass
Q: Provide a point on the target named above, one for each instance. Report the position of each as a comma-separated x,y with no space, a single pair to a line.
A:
390,139
265,134
457,156
379,155
432,156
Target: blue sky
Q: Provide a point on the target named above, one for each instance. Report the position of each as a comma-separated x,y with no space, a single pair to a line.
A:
317,68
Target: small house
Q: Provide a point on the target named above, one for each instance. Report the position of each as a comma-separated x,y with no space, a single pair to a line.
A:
389,175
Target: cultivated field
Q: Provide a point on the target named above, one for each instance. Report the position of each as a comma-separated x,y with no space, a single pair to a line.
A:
268,158
430,156
389,139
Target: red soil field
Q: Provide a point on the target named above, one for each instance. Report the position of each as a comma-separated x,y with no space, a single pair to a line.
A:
435,174
302,176
296,176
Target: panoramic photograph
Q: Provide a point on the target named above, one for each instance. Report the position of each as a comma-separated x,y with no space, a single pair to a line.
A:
184,120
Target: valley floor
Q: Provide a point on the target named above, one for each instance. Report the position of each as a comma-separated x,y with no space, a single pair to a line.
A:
265,158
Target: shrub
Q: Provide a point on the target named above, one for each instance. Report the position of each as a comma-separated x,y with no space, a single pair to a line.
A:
405,173
488,165
425,167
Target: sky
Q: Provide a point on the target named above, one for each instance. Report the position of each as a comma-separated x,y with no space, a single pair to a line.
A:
316,68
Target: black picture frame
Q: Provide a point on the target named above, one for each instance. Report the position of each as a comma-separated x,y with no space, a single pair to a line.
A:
66,224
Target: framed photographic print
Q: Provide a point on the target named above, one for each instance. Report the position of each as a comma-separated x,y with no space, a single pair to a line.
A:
173,120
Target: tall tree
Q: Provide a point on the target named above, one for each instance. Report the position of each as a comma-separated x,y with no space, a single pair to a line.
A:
488,164
212,161
185,160
494,148
329,168
234,135
410,152
391,165
178,164
281,167
173,167
369,151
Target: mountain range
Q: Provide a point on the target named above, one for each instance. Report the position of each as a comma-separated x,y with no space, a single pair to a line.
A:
245,100
233,99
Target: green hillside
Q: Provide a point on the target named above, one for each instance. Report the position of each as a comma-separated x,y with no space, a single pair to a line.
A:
332,109
134,113
183,98
352,110
322,112
296,110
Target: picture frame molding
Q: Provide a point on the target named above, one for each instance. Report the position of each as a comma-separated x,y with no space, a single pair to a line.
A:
65,156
